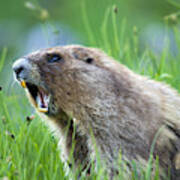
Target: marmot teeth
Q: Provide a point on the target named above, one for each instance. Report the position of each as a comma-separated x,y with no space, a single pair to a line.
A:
43,110
23,84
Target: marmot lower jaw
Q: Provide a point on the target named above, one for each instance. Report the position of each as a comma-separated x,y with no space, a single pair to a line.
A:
38,95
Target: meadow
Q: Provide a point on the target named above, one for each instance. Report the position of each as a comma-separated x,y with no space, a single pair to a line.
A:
28,149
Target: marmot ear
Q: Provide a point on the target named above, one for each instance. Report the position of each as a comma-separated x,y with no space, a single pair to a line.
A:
82,54
89,60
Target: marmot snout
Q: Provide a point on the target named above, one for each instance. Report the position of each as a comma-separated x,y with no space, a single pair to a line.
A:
83,86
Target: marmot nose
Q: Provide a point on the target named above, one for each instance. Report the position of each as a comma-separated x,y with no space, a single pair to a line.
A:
20,68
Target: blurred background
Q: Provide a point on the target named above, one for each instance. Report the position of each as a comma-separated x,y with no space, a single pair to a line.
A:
26,26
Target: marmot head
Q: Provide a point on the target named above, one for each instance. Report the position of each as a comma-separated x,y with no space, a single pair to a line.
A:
64,76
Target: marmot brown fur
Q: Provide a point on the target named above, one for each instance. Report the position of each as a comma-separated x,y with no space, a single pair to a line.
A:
105,101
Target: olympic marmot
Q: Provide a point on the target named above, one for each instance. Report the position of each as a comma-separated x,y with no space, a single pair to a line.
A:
106,102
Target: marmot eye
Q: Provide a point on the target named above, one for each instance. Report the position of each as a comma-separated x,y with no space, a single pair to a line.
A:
54,58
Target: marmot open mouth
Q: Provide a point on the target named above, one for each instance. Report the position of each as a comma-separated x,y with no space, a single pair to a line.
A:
38,94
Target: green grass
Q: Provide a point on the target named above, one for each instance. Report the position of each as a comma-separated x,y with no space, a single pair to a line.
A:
29,150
